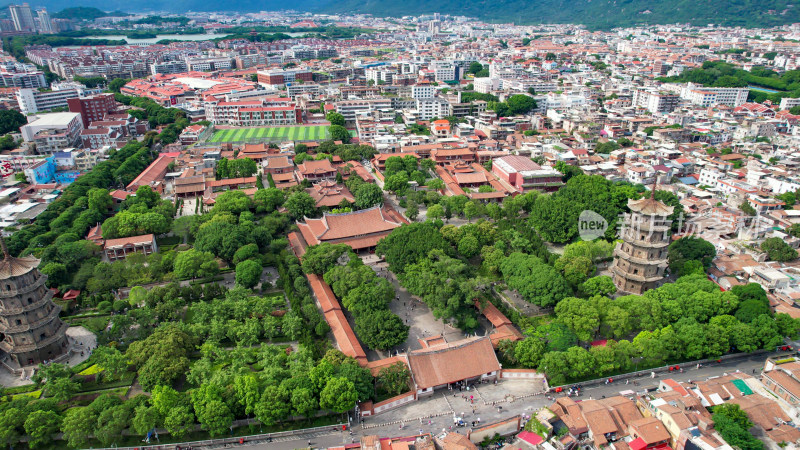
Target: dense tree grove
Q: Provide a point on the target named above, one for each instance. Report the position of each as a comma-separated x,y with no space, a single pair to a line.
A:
686,320
363,293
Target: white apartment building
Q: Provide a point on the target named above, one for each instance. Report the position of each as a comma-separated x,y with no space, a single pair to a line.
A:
29,80
444,71
428,108
209,64
708,96
306,88
350,108
380,75
32,100
524,85
709,177
420,91
655,102
486,85
788,103
168,67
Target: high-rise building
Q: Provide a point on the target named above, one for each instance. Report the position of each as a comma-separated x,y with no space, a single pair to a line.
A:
641,258
22,17
30,330
92,108
45,24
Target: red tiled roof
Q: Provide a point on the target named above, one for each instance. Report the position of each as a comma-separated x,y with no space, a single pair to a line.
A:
133,240
448,363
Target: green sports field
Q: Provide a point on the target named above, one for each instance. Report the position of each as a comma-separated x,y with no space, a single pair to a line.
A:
255,134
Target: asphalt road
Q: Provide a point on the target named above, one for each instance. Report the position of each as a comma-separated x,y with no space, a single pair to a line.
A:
752,365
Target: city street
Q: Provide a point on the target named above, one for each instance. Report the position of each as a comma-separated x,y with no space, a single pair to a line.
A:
443,402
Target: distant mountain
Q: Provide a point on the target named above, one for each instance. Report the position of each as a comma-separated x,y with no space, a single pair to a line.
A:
181,6
593,13
85,13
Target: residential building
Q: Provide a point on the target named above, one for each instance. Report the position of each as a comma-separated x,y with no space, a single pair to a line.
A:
525,175
27,80
92,108
281,77
22,17
52,132
708,96
32,101
655,102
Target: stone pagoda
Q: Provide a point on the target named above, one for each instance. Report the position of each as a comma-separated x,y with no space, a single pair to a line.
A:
30,329
641,258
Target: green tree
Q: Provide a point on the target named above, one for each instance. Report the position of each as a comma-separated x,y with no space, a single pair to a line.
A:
339,395
381,329
601,285
339,133
304,403
40,426
193,263
520,104
61,389
112,361
468,246
116,84
397,183
215,417
11,121
320,258
395,379
248,273
179,421
274,405
368,195
580,316
78,424
162,357
474,67
536,281
268,200
407,244
11,423
335,118
778,250
110,423
435,212
145,418
301,204
412,210
690,248
530,351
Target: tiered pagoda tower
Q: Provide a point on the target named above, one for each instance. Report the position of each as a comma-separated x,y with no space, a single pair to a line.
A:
30,329
640,260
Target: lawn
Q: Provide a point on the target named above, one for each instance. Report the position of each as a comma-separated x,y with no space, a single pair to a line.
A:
297,133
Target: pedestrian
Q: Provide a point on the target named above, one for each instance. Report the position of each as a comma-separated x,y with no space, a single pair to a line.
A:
309,442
